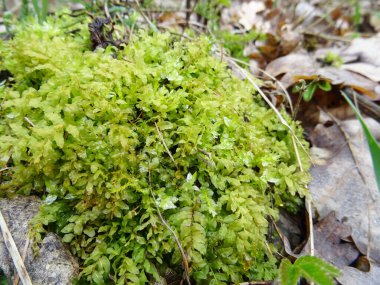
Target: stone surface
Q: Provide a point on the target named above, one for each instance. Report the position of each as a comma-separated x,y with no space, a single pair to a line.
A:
54,265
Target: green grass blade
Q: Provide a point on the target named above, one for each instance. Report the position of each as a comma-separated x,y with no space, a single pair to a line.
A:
37,9
24,9
44,10
374,146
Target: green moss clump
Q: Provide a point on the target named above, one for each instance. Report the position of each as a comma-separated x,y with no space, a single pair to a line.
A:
96,133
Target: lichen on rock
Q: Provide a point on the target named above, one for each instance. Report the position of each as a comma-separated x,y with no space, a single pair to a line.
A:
106,137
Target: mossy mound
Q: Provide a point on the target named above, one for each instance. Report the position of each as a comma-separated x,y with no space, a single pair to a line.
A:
105,137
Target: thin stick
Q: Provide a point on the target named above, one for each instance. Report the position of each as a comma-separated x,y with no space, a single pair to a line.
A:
4,169
29,121
188,13
184,259
24,252
274,79
266,99
257,283
13,251
153,26
328,37
163,142
307,202
369,208
106,11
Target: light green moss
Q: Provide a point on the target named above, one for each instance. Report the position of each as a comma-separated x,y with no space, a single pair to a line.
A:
91,134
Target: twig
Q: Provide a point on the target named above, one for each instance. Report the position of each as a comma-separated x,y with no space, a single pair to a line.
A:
13,251
308,204
327,37
4,169
29,121
174,33
325,17
25,251
164,10
204,152
106,11
184,259
266,99
274,79
153,26
258,283
369,209
163,142
188,13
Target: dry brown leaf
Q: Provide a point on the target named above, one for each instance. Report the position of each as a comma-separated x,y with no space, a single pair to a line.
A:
375,21
337,185
329,242
292,64
248,14
368,70
356,81
298,66
366,49
353,276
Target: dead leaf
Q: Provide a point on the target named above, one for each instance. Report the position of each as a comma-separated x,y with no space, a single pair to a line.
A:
292,65
353,276
363,264
368,70
375,21
337,185
329,242
356,81
307,13
298,66
248,14
366,49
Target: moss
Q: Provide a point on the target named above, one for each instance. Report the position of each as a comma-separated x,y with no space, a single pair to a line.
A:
95,134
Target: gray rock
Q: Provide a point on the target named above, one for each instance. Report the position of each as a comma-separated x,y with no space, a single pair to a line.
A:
53,265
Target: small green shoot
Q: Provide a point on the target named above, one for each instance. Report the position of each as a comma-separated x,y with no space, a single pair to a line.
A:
311,268
236,43
40,9
374,146
333,59
308,89
357,17
210,11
